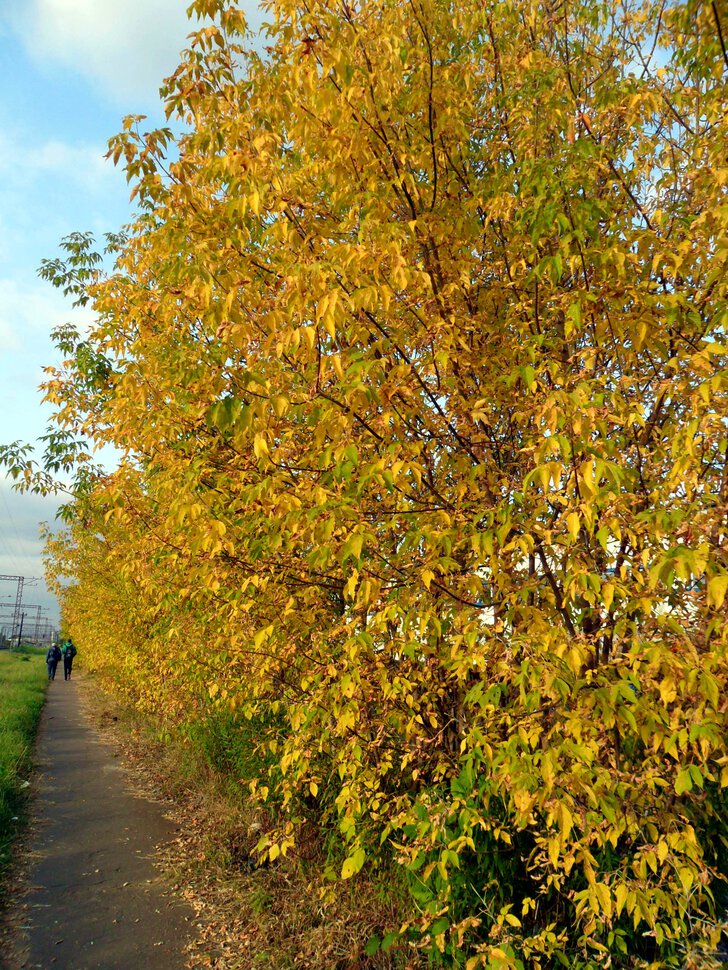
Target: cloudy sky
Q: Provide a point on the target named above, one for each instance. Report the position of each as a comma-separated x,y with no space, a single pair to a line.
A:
70,70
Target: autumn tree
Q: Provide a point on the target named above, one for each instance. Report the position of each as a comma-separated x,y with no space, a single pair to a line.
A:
416,356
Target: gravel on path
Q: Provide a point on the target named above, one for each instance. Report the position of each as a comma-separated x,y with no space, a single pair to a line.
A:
94,900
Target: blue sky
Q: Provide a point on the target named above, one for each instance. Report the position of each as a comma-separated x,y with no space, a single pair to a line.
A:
70,70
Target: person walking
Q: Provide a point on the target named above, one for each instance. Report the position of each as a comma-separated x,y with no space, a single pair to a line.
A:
68,654
52,657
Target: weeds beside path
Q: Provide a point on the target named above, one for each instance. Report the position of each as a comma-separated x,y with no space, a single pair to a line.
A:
279,917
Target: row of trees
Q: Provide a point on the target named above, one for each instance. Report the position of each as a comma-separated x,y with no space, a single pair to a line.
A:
415,355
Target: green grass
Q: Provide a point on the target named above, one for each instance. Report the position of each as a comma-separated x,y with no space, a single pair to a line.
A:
23,679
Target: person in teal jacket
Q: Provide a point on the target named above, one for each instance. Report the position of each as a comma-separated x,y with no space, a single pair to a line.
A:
69,652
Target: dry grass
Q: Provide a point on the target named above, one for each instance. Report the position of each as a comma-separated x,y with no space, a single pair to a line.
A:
285,915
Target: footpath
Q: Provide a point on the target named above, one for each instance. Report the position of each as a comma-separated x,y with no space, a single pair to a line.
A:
93,899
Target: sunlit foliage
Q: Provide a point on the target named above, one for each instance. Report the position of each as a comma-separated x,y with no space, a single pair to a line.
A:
416,356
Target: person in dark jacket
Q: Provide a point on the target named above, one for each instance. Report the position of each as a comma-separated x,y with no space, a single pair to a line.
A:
69,652
52,657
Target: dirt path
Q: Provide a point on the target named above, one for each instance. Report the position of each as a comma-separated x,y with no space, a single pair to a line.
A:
94,899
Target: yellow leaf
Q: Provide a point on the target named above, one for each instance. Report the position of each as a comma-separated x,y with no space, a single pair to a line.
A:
620,895
353,546
605,898
573,524
717,588
353,864
566,821
686,877
260,446
496,953
587,483
350,586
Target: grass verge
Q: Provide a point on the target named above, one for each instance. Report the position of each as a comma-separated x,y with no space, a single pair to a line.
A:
23,681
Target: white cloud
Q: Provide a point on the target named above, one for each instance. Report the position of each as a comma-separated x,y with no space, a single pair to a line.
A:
127,46
21,163
83,163
32,309
44,183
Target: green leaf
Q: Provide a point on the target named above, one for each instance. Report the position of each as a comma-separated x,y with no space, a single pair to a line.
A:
373,945
683,782
352,547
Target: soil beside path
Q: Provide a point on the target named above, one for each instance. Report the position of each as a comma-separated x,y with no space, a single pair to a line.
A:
94,899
